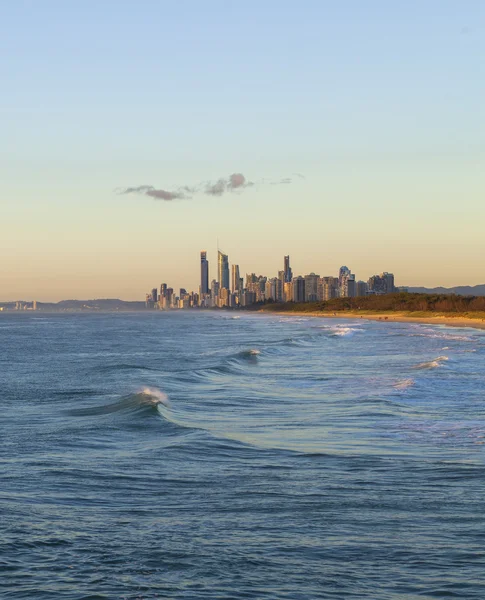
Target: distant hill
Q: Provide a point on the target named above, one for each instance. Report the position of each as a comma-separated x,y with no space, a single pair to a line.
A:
103,304
461,290
99,304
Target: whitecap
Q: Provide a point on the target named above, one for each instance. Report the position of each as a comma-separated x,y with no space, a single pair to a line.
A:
156,396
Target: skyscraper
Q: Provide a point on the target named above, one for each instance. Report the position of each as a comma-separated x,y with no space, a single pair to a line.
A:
381,284
287,270
235,279
223,269
311,287
299,289
204,273
346,283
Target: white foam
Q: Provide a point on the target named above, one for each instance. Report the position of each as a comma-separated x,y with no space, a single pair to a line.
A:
343,331
156,396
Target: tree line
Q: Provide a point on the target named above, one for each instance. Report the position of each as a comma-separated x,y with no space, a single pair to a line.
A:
398,302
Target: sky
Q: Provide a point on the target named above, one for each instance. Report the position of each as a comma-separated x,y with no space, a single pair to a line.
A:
360,124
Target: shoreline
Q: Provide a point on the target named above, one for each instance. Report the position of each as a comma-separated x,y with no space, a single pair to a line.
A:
390,317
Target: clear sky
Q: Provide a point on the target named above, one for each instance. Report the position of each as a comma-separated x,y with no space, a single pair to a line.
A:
380,105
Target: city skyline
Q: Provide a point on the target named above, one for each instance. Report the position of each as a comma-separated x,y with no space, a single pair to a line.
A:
219,261
255,288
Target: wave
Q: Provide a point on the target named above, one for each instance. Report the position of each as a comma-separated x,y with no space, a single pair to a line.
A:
251,353
121,367
403,384
343,331
432,364
146,398
444,336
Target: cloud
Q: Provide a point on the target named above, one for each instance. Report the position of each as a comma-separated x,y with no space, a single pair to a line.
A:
149,190
216,189
236,182
164,195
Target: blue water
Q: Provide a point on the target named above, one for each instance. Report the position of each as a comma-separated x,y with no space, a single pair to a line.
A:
205,456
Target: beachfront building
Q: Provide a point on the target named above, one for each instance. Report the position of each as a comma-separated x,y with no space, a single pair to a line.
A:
281,288
288,292
346,283
256,284
273,289
204,273
381,284
361,288
298,289
287,270
311,287
235,279
223,270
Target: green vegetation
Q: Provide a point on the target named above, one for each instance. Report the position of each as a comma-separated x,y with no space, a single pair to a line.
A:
418,304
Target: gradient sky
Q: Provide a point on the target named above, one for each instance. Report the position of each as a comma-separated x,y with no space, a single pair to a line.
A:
381,105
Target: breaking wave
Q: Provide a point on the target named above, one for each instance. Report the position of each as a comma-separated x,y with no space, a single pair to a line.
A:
249,353
432,364
343,331
145,398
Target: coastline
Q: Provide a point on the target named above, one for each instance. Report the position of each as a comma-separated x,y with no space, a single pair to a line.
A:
388,317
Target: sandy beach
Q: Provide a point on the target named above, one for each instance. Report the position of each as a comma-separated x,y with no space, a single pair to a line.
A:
458,321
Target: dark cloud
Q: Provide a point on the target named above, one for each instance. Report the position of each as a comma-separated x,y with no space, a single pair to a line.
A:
149,190
236,182
164,195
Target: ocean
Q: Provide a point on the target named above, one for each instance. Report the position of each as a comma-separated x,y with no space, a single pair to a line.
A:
223,455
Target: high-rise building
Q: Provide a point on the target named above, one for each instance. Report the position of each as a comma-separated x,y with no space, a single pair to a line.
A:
381,284
223,269
346,283
154,295
281,286
298,289
288,292
204,273
328,288
311,287
273,289
389,279
287,270
351,288
235,279
361,288
214,288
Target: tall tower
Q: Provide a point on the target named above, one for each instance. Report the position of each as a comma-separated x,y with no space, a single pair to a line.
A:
223,269
287,270
235,279
204,273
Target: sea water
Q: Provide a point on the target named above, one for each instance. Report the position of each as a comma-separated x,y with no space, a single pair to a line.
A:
204,455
